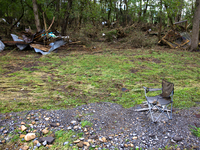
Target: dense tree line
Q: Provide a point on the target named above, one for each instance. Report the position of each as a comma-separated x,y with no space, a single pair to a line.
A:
79,13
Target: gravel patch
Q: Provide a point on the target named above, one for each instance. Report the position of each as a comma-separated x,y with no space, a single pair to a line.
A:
112,126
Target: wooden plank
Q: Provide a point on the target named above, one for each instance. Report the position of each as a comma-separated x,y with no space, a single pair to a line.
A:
45,48
14,42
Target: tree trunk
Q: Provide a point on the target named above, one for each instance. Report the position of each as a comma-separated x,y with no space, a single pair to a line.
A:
66,19
195,28
37,20
160,26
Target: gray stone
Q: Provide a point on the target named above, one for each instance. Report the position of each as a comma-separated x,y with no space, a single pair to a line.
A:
49,139
122,145
177,138
53,124
74,122
38,145
69,128
93,137
65,143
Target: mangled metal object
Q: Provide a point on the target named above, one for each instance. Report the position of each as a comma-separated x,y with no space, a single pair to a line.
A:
175,39
2,46
39,41
46,49
20,46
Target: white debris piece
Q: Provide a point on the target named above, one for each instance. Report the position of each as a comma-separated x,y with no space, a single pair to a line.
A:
20,46
2,46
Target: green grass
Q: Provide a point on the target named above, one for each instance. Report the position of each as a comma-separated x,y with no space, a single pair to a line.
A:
86,123
195,131
57,81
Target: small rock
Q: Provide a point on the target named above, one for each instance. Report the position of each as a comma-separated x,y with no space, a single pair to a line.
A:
25,148
76,127
177,138
93,137
122,145
65,143
3,141
38,144
73,122
78,119
86,143
73,136
22,136
49,146
46,119
90,140
49,139
69,128
22,123
81,139
135,138
29,136
53,125
77,141
103,139
80,144
35,142
45,131
23,128
33,122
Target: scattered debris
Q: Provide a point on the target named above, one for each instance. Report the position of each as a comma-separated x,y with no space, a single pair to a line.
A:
42,42
177,37
175,40
2,46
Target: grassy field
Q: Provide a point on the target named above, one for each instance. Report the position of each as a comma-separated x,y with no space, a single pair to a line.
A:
68,79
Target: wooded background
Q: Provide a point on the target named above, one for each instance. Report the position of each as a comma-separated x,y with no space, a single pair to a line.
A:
79,13
76,14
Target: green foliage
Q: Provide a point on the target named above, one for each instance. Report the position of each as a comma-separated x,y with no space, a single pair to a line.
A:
110,35
195,131
86,123
15,138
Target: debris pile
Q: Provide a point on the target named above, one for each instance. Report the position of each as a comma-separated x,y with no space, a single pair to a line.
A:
42,42
175,40
178,36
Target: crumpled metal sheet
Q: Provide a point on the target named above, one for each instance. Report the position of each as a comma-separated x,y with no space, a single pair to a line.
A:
2,46
54,45
20,46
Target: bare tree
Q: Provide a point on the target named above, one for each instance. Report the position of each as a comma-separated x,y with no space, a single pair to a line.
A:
35,10
195,28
